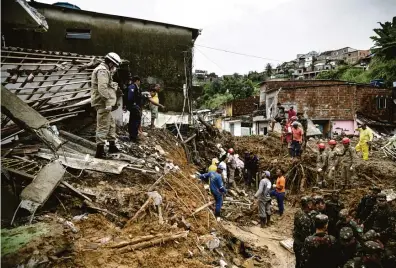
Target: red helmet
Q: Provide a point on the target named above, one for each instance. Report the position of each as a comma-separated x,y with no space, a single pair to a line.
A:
332,142
293,118
230,151
321,146
346,140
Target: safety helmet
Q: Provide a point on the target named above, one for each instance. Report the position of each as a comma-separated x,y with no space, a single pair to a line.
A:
267,173
346,140
222,166
321,146
293,118
332,142
231,151
113,57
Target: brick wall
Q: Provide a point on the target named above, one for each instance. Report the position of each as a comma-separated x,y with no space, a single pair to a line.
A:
270,85
336,102
245,106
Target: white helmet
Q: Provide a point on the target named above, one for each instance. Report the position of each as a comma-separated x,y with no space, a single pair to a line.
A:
222,166
114,58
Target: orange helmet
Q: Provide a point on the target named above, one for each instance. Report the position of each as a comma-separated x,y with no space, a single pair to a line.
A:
346,140
321,146
332,142
230,151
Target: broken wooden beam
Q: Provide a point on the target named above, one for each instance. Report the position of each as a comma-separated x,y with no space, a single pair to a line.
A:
76,139
202,208
190,138
142,208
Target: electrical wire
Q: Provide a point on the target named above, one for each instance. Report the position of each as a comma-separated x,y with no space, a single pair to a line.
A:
238,53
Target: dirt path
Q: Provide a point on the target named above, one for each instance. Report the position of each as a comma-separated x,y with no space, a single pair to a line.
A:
270,237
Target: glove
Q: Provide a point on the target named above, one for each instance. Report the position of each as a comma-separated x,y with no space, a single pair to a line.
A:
351,168
319,169
108,108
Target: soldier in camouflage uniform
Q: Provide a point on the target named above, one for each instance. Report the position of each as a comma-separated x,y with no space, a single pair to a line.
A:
321,165
390,249
372,253
333,208
320,250
383,218
103,98
348,245
366,206
332,162
302,228
348,156
346,220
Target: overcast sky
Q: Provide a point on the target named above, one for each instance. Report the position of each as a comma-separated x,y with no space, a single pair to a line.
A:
272,29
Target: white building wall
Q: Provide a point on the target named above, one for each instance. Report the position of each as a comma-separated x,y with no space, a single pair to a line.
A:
161,121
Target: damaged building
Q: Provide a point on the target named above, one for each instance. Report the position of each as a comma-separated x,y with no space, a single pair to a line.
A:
334,106
162,54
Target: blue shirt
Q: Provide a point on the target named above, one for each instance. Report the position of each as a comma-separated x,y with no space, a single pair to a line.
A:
215,182
134,96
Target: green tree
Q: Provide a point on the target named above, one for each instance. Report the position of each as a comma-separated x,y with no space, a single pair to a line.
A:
385,42
268,70
238,88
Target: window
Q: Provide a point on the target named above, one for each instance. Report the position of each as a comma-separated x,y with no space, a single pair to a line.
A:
381,103
78,34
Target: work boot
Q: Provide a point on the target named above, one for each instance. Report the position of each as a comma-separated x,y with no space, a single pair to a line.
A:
113,148
268,220
263,222
100,153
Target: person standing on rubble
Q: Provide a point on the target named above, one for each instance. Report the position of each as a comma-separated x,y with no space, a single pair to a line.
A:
302,228
134,106
252,168
264,199
366,206
291,113
365,139
321,165
278,115
280,190
103,98
216,187
297,139
232,165
332,162
348,155
213,166
154,104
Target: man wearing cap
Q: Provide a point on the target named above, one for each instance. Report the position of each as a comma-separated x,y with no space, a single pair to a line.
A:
321,164
348,245
264,199
302,228
320,249
347,160
365,139
366,206
372,253
103,98
346,220
216,187
383,218
333,208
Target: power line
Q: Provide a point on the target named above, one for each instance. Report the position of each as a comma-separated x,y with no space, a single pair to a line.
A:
238,53
209,59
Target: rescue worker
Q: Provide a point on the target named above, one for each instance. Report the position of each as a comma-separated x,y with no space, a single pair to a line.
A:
333,208
332,162
278,116
347,161
320,249
302,228
365,139
383,218
346,220
216,188
154,104
348,246
223,153
232,165
321,165
320,204
264,199
287,136
297,139
280,190
252,168
390,249
371,258
103,98
134,106
213,166
366,206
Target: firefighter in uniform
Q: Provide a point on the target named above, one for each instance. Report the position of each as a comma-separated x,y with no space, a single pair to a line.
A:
348,155
332,162
103,98
321,165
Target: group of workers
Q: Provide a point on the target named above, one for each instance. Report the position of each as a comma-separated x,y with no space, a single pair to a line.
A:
330,161
328,235
104,96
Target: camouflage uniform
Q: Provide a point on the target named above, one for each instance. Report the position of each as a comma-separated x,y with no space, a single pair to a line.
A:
333,208
348,245
345,222
383,221
348,156
366,206
332,164
103,94
321,163
390,249
312,214
371,257
319,251
302,229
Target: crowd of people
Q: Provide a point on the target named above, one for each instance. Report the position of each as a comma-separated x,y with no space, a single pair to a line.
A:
328,235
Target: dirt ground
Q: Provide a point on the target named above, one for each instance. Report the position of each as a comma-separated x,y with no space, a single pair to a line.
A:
242,242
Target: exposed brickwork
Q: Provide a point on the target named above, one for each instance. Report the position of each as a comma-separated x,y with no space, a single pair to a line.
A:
271,85
334,101
245,106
